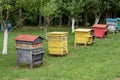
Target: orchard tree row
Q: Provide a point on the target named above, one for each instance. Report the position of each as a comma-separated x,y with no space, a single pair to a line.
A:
58,12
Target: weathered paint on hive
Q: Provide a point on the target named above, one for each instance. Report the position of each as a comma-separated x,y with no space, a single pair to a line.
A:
29,49
28,46
25,38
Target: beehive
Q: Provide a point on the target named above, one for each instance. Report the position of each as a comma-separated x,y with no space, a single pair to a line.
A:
83,36
112,24
118,23
100,30
29,49
57,43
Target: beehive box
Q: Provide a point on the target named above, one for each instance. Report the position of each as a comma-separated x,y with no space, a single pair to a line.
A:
100,30
118,23
57,43
29,49
83,36
112,24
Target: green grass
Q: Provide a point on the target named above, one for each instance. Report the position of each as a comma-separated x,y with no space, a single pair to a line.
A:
100,61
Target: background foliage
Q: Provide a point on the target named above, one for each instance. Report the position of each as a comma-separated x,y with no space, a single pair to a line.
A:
59,12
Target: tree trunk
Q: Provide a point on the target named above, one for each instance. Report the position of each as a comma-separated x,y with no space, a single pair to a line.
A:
46,31
73,25
68,24
114,12
46,24
20,16
17,25
108,14
5,43
5,29
7,16
86,19
0,15
97,18
40,19
60,24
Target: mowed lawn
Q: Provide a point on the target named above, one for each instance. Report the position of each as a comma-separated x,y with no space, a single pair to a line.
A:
100,61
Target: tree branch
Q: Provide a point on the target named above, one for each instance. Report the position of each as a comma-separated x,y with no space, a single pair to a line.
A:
18,24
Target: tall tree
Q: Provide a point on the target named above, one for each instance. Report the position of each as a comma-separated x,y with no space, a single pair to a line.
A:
86,11
98,8
19,5
38,8
47,9
60,11
6,9
112,7
73,8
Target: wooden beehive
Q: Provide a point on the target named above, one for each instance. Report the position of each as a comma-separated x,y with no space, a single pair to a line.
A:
100,30
83,36
118,23
29,49
57,43
112,24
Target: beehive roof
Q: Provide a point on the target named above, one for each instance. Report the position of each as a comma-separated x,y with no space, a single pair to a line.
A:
83,30
111,19
100,25
57,32
26,37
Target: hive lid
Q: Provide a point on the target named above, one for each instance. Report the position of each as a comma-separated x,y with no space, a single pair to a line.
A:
83,30
118,19
27,37
111,19
57,32
100,25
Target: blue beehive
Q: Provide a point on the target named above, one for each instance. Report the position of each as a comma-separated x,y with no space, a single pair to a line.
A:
112,24
9,25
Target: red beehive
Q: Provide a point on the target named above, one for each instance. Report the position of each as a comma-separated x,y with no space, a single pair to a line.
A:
100,30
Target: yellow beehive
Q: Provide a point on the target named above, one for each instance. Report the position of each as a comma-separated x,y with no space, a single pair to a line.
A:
83,36
57,43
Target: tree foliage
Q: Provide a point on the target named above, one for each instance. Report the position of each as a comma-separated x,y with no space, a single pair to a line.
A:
54,9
